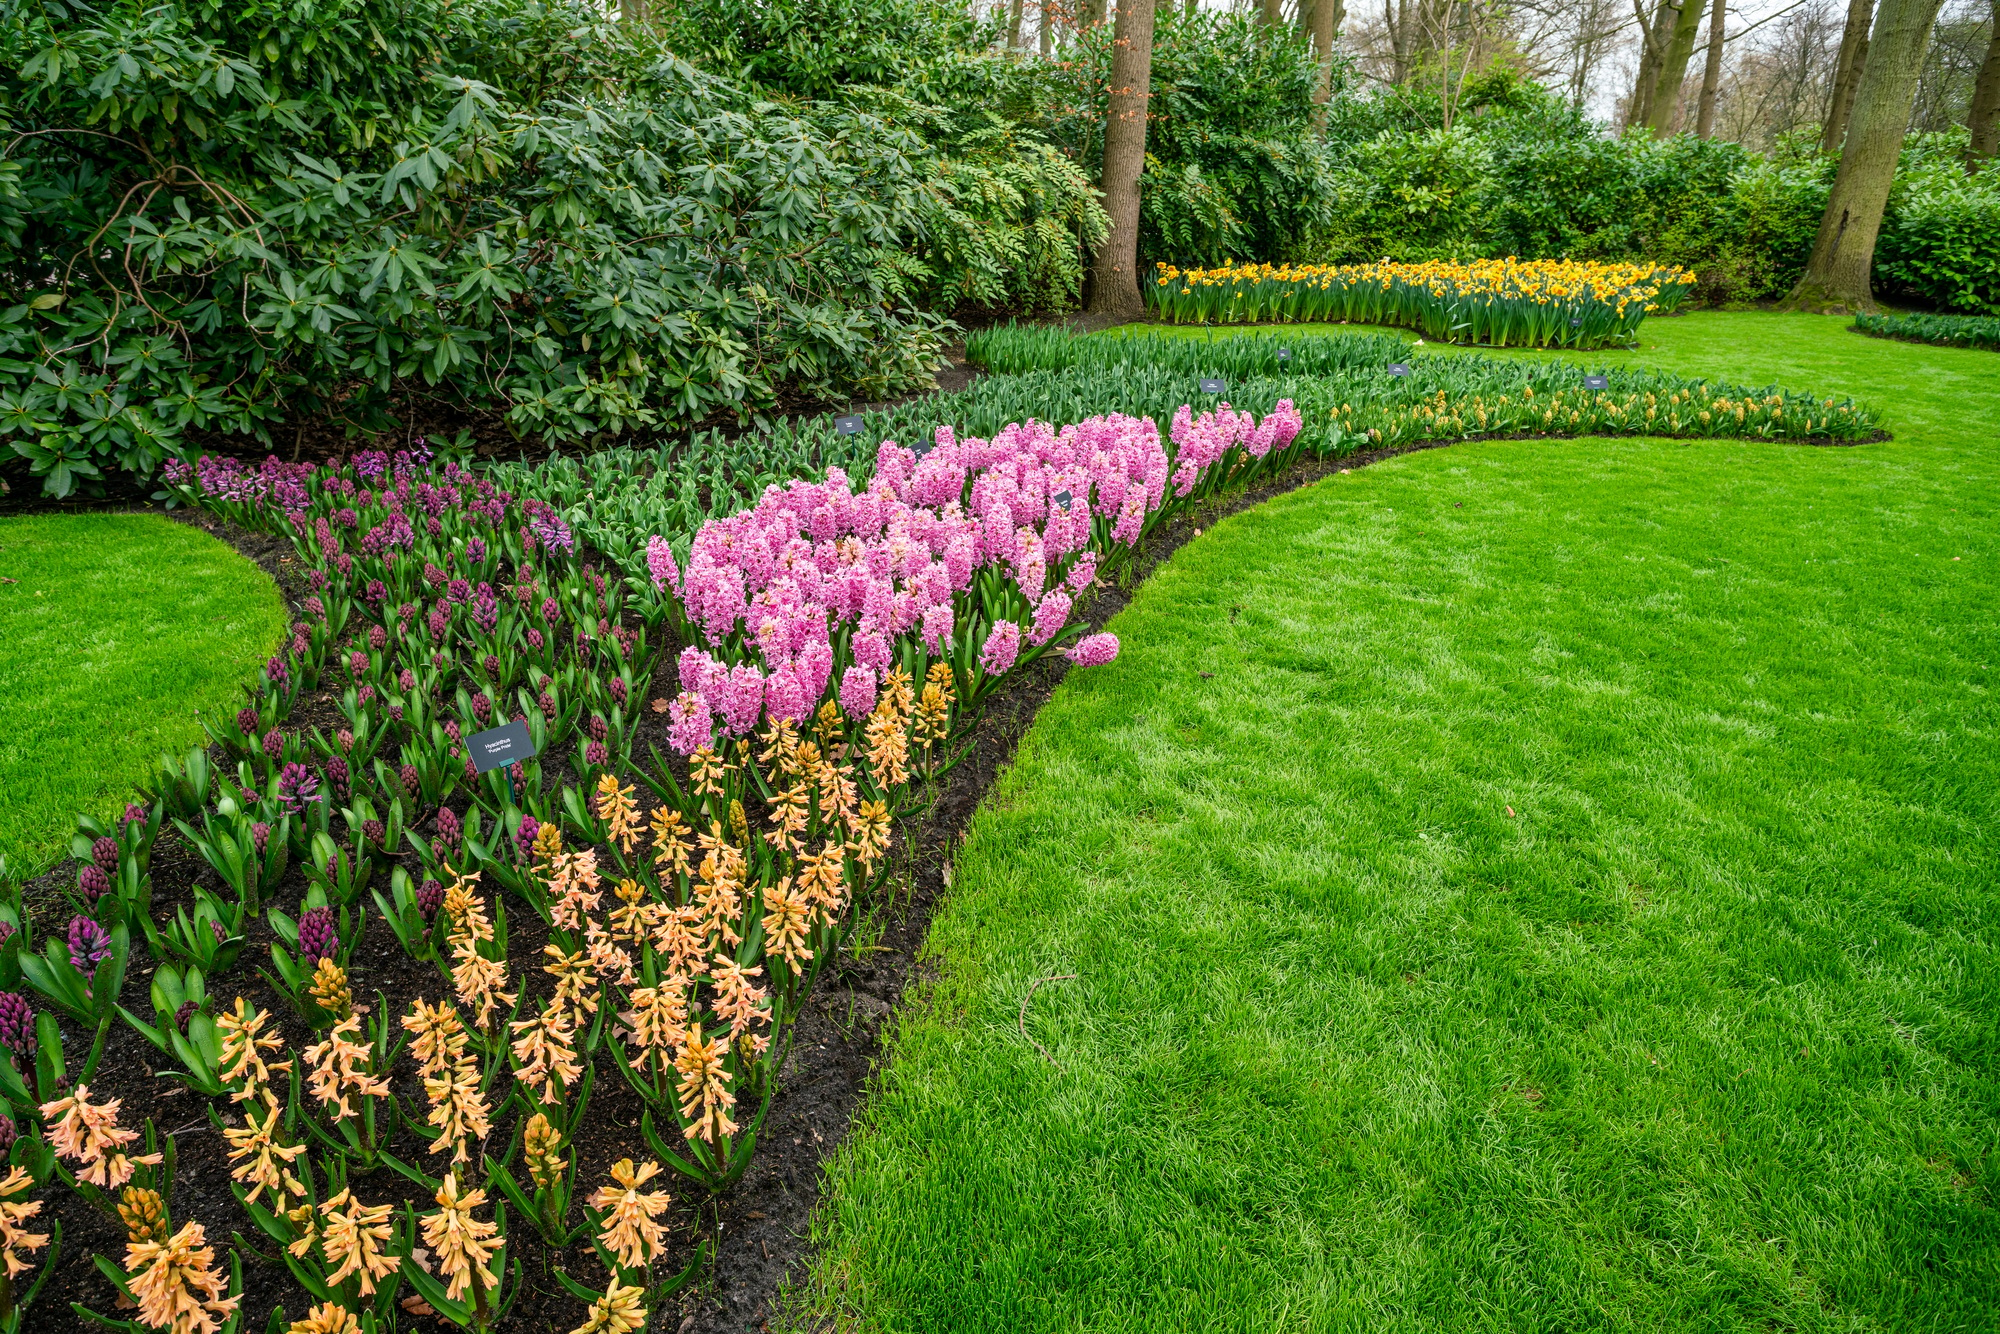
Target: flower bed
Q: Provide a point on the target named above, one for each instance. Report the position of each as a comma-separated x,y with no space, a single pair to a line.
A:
1498,303
1945,330
838,642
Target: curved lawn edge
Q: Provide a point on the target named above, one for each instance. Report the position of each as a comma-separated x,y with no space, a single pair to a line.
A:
122,629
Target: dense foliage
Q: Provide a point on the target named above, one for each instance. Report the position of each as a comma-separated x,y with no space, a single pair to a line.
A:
224,218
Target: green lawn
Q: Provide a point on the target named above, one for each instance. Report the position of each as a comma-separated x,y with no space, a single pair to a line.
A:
1702,1034
119,630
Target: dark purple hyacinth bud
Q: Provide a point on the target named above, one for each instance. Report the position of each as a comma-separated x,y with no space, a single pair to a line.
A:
618,689
105,852
216,927
317,937
594,754
367,695
408,777
451,728
298,787
492,665
550,610
396,712
535,640
336,769
458,590
372,831
315,608
6,932
432,574
378,638
430,897
316,580
187,1011
471,771
357,663
524,837
344,739
482,707
599,729
17,1023
407,679
88,944
376,592
344,564
274,743
134,813
448,826
8,1134
475,551
246,721
275,669
94,883
260,834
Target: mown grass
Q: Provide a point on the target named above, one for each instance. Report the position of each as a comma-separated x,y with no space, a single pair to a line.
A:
118,630
1520,886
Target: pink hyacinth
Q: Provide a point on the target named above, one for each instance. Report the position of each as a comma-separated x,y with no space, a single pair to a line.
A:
857,691
937,627
1003,646
1094,650
1082,573
744,699
1051,615
660,564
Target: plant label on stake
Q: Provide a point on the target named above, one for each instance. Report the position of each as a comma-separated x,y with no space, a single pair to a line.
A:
1062,501
1399,369
1284,354
1596,382
1213,386
847,425
500,746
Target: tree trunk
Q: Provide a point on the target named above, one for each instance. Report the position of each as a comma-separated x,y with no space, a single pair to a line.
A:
1673,68
1044,37
1093,12
1847,73
1984,118
1837,276
1274,13
1014,26
1396,17
1114,277
1711,75
1326,17
1653,34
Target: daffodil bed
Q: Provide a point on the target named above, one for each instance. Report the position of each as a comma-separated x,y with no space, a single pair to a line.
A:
1518,886
1490,302
445,1038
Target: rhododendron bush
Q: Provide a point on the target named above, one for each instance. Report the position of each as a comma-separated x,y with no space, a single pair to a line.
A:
819,659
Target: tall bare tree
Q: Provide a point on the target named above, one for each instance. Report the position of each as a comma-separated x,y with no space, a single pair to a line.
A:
1847,73
1655,30
1983,119
1837,275
1711,74
1324,18
1114,276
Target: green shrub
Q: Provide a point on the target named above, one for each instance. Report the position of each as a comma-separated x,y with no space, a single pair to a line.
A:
375,212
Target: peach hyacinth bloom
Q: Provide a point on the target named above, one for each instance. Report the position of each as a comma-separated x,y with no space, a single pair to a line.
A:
616,1312
13,1238
632,1230
461,1244
339,1069
176,1283
91,1136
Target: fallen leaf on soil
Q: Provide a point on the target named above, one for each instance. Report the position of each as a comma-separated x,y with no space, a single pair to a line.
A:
659,706
1510,813
124,1303
417,1306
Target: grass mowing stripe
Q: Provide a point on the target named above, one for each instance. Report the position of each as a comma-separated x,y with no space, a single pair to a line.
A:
121,629
1700,1037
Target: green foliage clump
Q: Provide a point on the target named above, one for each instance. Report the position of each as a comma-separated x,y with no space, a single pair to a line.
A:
1981,331
220,218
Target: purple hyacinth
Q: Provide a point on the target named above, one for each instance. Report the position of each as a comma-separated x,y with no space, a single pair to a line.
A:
618,689
8,1134
524,837
336,769
274,743
430,897
6,932
372,831
105,853
448,827
408,776
378,638
599,729
246,720
317,937
187,1011
357,663
93,883
298,787
17,1023
260,834
88,944
220,935
134,813
594,754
